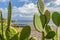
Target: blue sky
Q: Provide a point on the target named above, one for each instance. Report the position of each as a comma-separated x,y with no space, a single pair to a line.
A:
25,9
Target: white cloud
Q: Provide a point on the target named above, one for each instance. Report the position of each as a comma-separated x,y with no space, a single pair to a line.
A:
52,2
23,0
3,0
4,12
48,2
26,1
53,9
16,0
25,16
27,10
57,2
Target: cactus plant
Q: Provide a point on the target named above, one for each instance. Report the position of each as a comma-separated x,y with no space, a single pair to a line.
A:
4,29
40,5
47,14
1,23
48,28
25,33
15,37
37,23
56,21
41,23
50,35
9,33
56,18
9,20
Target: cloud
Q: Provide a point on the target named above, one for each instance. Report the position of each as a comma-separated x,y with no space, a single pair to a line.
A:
52,3
2,0
53,9
26,11
28,8
16,0
4,12
48,1
24,0
57,2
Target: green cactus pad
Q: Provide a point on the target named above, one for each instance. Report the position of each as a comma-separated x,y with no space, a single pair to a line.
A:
56,18
47,14
50,35
25,33
9,14
15,37
11,33
1,27
9,20
48,28
40,5
43,20
37,23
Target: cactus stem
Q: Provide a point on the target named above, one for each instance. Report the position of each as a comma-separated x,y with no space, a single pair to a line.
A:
56,36
43,37
1,22
57,33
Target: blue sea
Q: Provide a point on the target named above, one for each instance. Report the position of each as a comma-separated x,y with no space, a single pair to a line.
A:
22,22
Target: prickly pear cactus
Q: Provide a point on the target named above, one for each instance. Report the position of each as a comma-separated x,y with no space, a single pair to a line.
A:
56,21
56,18
37,23
41,22
8,20
10,31
48,28
25,33
50,35
1,30
47,14
40,5
15,37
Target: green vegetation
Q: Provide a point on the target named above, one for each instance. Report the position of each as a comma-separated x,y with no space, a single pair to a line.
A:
10,33
40,23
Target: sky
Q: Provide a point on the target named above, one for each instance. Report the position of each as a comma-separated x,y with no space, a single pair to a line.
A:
25,9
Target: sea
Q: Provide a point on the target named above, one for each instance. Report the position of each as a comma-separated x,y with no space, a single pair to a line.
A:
22,22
